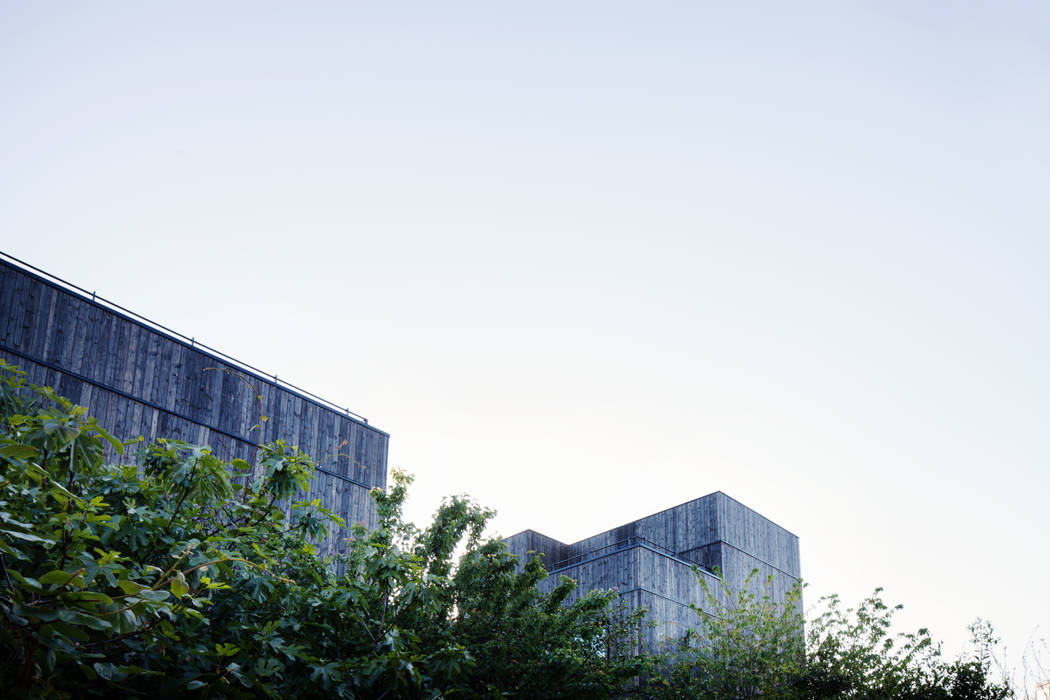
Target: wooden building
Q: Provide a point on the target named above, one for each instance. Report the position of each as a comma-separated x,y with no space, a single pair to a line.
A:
139,378
651,561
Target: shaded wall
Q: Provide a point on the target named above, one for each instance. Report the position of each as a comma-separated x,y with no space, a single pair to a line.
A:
651,561
138,380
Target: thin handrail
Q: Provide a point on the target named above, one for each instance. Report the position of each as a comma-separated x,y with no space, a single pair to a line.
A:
633,541
258,373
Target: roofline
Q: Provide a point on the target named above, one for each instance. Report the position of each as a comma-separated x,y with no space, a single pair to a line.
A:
685,503
80,293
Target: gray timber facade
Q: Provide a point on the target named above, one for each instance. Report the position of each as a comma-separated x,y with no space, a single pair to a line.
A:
140,379
654,563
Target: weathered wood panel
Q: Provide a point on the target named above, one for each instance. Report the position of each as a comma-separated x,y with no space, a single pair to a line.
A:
650,561
525,544
665,586
755,534
138,380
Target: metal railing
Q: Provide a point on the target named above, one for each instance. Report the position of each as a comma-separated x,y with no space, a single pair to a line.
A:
175,335
628,543
157,407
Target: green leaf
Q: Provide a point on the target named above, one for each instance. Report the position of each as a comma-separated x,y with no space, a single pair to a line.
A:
89,596
125,622
154,596
227,649
55,577
130,587
19,451
27,536
30,583
76,617
109,672
115,443
11,522
179,587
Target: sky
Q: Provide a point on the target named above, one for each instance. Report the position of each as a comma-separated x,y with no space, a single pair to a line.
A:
585,261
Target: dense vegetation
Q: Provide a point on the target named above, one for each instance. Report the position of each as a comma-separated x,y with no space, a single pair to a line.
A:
754,647
171,578
179,574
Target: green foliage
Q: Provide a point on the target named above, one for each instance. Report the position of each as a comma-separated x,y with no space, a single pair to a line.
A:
534,645
169,577
112,576
852,654
750,647
744,645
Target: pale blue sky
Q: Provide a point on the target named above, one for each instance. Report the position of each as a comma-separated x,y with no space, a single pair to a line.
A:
586,261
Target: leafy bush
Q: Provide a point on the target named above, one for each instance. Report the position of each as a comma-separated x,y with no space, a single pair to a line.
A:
748,645
751,647
180,575
171,578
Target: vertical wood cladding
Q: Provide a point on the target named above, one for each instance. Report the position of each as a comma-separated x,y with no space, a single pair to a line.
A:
140,381
650,561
